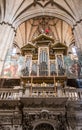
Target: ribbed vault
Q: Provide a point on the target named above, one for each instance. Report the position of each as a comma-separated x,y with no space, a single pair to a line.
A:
17,11
58,29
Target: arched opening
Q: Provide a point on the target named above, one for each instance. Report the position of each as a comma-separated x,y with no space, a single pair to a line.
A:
60,30
44,126
44,12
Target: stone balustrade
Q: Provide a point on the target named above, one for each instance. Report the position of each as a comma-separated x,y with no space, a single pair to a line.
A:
15,94
10,94
72,93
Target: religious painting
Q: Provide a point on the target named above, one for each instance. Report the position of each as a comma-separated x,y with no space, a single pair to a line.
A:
73,68
13,64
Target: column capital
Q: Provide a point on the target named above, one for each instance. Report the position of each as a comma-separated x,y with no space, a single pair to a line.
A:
76,24
9,24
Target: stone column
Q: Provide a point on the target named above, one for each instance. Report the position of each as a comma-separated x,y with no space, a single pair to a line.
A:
7,33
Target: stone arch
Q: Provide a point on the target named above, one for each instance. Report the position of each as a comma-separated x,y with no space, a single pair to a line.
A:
51,123
41,12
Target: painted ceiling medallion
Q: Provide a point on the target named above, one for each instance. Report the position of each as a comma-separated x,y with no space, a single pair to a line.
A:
43,3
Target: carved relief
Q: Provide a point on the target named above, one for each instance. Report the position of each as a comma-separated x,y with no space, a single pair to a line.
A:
27,124
4,127
59,121
6,119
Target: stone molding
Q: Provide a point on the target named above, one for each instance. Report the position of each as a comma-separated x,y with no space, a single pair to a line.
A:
9,24
76,24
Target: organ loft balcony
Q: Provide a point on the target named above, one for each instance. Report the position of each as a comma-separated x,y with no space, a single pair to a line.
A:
44,66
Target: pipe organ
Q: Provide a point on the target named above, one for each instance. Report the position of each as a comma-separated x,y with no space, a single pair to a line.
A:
44,65
43,57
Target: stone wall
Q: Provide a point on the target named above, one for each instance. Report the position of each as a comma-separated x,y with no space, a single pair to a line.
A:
27,114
